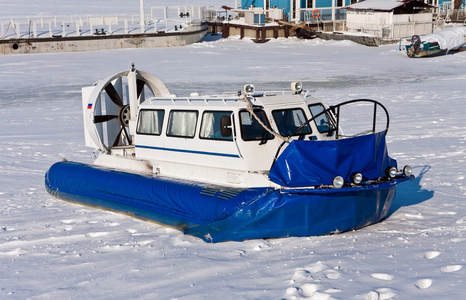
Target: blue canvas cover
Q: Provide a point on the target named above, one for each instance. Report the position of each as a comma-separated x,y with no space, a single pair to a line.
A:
314,163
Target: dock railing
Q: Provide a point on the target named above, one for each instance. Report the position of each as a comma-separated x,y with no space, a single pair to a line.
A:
447,13
161,18
324,17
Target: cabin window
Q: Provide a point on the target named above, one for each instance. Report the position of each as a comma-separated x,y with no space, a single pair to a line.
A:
322,122
182,123
150,122
211,126
289,120
251,130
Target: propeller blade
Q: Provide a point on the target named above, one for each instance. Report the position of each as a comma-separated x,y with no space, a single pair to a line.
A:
140,86
113,94
117,140
128,137
101,119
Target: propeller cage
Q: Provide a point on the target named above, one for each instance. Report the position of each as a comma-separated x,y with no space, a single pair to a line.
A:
111,105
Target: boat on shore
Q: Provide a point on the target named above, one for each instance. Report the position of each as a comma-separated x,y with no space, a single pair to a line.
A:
232,166
447,41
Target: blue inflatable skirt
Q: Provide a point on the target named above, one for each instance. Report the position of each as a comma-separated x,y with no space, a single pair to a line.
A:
219,213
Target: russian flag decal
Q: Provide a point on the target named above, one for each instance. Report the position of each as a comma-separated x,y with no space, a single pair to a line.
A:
89,106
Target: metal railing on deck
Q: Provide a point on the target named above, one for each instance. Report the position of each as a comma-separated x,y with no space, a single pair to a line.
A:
161,18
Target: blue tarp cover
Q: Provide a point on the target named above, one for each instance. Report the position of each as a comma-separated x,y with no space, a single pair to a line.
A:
314,163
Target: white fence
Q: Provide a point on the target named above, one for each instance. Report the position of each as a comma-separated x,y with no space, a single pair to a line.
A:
161,18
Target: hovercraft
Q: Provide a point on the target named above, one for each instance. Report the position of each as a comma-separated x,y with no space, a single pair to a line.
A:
230,167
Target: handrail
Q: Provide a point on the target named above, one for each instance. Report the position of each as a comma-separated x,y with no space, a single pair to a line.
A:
78,25
335,110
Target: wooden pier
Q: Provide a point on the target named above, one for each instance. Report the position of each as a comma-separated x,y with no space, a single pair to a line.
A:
263,33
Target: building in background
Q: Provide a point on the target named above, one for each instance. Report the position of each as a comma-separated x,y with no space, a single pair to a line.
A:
390,19
309,11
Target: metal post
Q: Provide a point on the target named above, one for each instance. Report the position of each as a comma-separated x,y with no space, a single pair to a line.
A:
338,122
298,15
141,11
18,30
165,16
91,26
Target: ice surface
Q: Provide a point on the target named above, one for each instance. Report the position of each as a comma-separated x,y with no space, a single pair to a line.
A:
53,249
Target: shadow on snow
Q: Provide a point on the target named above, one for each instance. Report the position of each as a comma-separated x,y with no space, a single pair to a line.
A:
411,193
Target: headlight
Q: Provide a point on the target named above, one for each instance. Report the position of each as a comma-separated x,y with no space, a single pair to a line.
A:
408,170
338,182
297,86
356,178
249,89
391,172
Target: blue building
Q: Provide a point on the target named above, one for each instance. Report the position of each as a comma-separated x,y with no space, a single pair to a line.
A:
310,10
299,10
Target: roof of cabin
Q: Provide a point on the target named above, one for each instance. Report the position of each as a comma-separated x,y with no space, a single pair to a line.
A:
231,100
384,5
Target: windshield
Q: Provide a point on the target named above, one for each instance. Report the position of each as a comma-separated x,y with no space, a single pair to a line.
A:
289,120
322,122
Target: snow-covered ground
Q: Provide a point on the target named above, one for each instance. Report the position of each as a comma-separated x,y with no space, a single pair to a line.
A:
51,249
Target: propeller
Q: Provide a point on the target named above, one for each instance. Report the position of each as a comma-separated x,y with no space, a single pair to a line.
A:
110,104
113,94
123,113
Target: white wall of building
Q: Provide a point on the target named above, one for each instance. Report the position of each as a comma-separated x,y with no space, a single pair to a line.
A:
388,25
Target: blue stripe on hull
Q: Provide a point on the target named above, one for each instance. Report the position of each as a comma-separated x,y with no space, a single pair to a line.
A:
189,151
216,213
